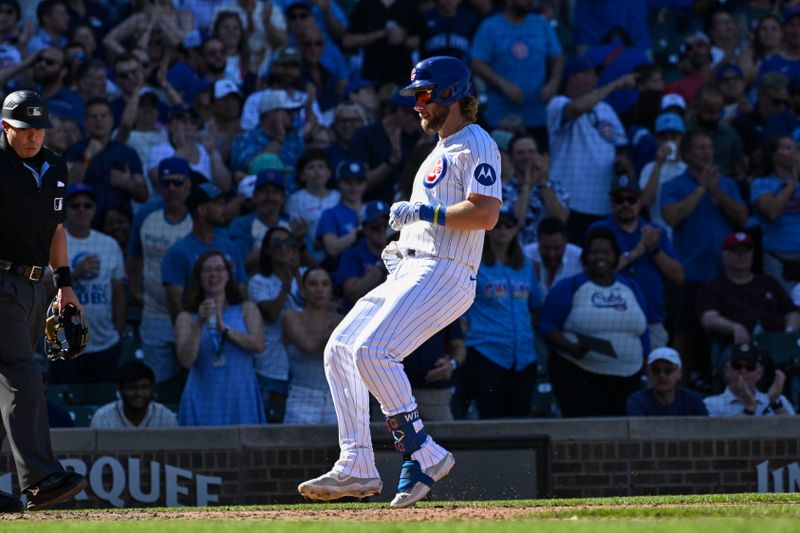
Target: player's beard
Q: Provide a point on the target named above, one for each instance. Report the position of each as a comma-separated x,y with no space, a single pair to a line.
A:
438,116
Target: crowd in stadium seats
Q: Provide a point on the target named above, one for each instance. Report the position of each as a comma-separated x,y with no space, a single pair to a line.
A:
232,162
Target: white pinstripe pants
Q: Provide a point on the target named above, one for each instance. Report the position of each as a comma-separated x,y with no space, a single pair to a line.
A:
365,352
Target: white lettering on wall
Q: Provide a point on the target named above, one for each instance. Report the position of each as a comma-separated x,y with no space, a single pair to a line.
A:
792,481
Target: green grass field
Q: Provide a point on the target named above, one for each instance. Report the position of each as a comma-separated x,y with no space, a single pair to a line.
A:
761,513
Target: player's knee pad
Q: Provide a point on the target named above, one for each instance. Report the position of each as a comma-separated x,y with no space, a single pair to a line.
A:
407,430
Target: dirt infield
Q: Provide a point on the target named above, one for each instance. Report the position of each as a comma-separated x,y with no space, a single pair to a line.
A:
384,514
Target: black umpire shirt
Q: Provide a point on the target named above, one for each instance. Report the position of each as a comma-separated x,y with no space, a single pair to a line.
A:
29,213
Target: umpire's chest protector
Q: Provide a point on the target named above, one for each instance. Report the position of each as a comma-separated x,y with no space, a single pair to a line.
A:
29,213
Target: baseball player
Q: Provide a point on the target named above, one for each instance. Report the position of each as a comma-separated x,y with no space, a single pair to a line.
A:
431,282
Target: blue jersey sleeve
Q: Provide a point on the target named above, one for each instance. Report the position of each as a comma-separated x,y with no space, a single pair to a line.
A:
558,304
327,224
173,269
240,234
135,241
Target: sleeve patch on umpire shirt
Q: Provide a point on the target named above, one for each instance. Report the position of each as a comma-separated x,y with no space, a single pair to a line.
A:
58,204
485,174
435,172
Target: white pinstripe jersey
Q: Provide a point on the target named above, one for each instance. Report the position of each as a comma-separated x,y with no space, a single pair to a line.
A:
465,162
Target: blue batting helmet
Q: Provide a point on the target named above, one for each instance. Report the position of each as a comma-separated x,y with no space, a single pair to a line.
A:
446,77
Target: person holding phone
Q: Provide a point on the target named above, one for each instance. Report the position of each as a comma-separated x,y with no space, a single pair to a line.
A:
581,316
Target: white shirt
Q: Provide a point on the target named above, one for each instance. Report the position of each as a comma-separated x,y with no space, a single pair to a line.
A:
273,361
669,171
303,204
570,264
163,151
94,291
728,404
582,153
465,162
112,416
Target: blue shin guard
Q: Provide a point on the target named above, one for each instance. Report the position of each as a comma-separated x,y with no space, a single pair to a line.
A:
408,432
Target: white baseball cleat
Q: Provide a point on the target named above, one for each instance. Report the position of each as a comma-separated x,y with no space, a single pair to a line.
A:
415,483
335,485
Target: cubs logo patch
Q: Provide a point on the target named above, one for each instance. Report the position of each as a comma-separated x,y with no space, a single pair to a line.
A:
485,174
435,172
519,50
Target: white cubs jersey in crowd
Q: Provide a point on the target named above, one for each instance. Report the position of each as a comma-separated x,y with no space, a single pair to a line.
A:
465,162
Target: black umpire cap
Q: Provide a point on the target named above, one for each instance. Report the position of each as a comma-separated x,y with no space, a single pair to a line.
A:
25,109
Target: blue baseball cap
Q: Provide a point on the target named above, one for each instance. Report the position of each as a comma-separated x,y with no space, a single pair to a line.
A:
173,165
669,122
271,176
351,169
374,210
577,64
201,194
729,68
78,188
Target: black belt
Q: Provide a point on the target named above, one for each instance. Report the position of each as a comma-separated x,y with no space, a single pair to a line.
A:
33,273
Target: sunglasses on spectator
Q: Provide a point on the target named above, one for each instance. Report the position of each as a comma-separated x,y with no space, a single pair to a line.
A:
171,183
423,97
126,73
288,242
81,205
737,365
47,61
779,102
665,370
630,200
298,15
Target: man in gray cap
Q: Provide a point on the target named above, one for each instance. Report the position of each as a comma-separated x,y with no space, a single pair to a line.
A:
31,237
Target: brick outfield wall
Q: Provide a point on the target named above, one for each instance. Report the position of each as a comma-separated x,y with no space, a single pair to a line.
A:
597,457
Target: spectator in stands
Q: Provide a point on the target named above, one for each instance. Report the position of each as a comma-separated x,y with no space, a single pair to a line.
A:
776,200
585,137
385,144
362,92
732,87
140,129
449,28
211,67
275,288
129,77
158,225
386,31
695,65
773,98
116,223
98,271
647,254
305,334
275,133
338,226
269,197
266,28
302,16
53,26
553,257
728,44
158,17
135,407
518,55
347,118
530,191
431,370
596,323
91,80
49,71
767,39
787,59
667,165
361,268
199,150
216,339
594,19
729,157
500,370
228,27
305,207
663,396
11,32
733,304
206,205
226,108
328,85
743,370
112,168
698,198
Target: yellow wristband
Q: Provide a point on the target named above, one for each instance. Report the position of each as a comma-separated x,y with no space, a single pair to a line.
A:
436,214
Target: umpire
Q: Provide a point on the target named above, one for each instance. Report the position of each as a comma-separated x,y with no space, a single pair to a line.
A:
32,184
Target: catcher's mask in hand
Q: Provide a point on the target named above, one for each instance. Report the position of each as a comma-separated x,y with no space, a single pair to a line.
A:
67,334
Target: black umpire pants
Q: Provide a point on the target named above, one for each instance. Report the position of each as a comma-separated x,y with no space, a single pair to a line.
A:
23,307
